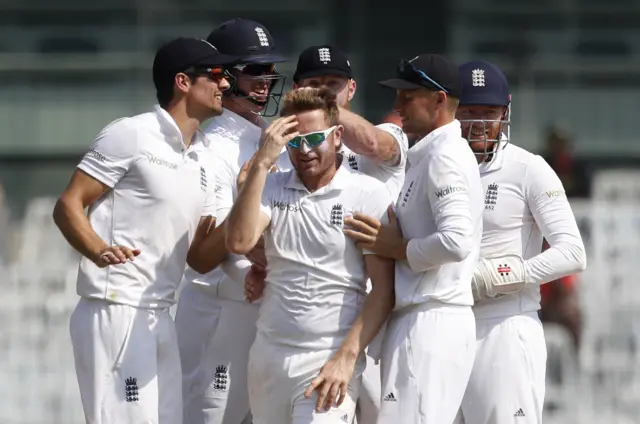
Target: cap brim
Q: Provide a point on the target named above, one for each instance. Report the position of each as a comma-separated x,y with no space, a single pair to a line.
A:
264,58
218,60
399,84
321,72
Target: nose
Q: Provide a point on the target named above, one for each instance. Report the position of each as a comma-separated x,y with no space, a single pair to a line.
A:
304,147
397,106
223,84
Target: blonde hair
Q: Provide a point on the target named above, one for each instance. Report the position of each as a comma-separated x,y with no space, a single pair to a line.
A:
309,99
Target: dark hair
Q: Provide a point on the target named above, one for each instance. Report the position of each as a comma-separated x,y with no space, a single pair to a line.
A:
308,99
166,90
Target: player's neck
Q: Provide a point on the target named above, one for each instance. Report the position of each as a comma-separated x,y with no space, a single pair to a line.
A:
317,182
188,125
442,120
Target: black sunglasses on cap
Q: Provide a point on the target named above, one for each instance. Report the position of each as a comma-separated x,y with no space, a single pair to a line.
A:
408,72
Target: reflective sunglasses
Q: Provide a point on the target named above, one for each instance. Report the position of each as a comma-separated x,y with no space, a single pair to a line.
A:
257,69
312,139
406,70
213,74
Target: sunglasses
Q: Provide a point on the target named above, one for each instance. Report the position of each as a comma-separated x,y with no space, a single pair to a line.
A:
257,69
312,139
213,74
406,70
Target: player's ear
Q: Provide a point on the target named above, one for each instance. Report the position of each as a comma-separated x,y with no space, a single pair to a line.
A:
182,82
441,99
352,88
295,86
337,136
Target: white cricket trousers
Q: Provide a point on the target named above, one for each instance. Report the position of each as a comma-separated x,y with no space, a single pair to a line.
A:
427,357
127,363
368,405
214,337
507,383
278,378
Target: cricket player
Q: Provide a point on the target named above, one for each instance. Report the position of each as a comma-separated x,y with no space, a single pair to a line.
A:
215,326
316,318
379,151
146,181
434,236
524,202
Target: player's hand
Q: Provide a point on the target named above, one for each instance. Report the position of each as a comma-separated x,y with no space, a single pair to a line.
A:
332,383
257,255
499,276
275,138
115,255
369,234
242,175
254,283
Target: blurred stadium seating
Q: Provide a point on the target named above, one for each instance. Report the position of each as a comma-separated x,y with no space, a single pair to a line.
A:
68,67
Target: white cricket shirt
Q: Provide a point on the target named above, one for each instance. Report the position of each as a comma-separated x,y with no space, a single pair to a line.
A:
391,175
316,276
525,201
233,141
159,190
440,212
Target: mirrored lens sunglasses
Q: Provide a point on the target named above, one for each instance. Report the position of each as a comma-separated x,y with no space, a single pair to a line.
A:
312,139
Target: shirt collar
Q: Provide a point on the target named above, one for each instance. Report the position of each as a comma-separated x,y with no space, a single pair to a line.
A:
171,131
338,182
419,150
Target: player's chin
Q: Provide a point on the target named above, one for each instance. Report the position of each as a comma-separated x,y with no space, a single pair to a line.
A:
308,168
217,109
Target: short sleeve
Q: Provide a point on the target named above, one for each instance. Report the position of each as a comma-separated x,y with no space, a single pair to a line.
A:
376,202
401,140
112,153
224,189
210,207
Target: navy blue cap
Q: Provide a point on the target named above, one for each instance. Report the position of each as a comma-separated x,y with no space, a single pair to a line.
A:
249,40
322,60
483,84
182,53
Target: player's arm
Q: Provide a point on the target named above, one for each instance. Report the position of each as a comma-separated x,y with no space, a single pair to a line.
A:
111,154
70,217
250,214
550,208
382,144
552,212
377,307
448,194
379,303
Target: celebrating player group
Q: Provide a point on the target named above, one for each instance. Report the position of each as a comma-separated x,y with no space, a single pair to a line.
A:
332,271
